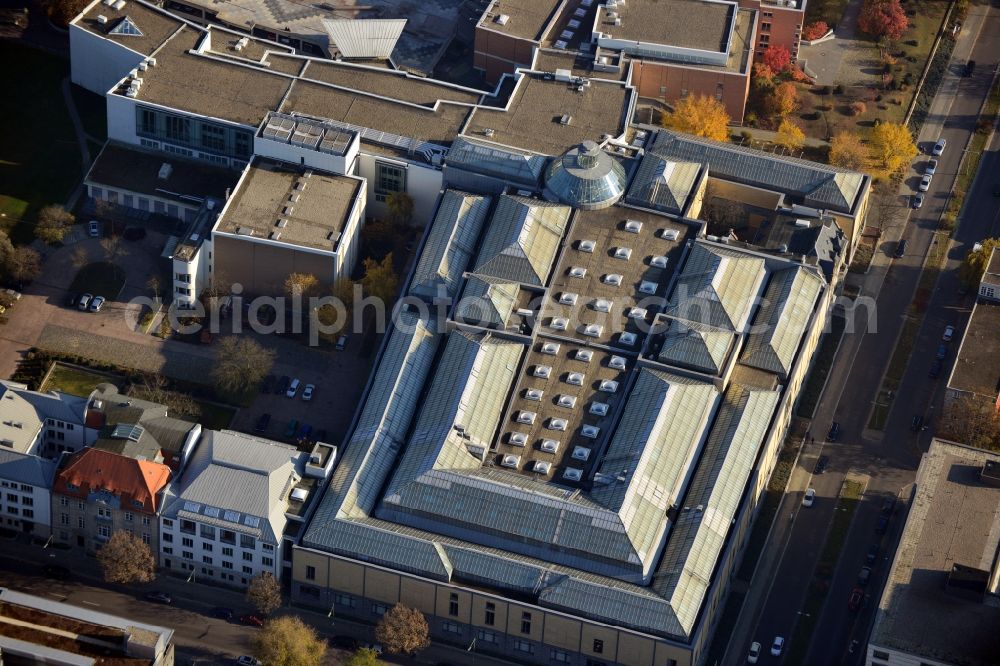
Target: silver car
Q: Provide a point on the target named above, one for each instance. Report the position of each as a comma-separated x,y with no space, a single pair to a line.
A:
938,148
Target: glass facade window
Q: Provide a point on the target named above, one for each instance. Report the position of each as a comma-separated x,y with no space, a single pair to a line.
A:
178,129
389,178
212,137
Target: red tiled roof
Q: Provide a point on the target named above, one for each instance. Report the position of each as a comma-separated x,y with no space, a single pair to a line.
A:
131,480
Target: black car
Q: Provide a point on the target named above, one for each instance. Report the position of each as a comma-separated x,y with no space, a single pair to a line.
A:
282,385
159,597
935,369
344,642
872,554
268,384
262,422
970,67
882,526
917,423
834,433
56,571
72,300
821,465
864,575
222,613
900,249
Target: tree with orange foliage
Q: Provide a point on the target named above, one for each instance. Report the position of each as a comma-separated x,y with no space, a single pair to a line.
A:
883,19
785,99
815,30
777,57
699,115
846,150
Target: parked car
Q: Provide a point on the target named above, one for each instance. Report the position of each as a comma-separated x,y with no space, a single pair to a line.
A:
931,167
246,660
374,647
96,303
268,385
917,422
56,571
864,575
949,333
344,643
11,294
935,369
777,646
889,503
925,183
900,248
821,465
834,433
754,653
305,430
809,498
341,343
222,613
872,555
939,147
307,392
282,384
262,422
917,201
159,597
882,526
293,425
942,352
856,599
252,620
293,388
73,299
970,67
94,229
84,302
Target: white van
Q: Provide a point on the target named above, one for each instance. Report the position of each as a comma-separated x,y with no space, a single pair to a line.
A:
293,388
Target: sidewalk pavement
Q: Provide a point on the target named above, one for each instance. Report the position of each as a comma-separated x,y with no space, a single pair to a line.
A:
768,136
842,59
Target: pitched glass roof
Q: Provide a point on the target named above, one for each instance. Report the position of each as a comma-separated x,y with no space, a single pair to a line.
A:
450,243
663,184
126,27
717,287
697,346
522,240
506,164
487,301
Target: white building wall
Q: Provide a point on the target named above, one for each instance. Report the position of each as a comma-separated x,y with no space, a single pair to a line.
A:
347,251
880,656
23,502
182,552
121,119
423,184
286,152
97,63
59,436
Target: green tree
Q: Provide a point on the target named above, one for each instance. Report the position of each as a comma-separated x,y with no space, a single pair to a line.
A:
380,279
240,363
699,115
264,593
126,559
974,265
288,641
403,630
400,206
53,223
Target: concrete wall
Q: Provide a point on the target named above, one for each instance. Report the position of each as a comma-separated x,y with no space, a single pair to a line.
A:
497,54
96,63
668,83
423,184
261,265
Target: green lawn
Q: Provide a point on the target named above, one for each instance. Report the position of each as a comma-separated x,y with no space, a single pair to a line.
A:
101,278
77,381
39,157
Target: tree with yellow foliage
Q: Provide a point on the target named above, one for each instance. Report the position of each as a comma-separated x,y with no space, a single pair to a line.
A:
790,135
892,147
699,115
846,150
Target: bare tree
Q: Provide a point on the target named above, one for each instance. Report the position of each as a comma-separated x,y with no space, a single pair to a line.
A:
53,223
153,284
79,258
24,264
126,559
240,363
264,593
112,245
403,629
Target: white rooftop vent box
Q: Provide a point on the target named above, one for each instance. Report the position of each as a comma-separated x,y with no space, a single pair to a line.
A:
670,234
560,44
614,279
617,362
534,394
658,261
565,119
109,2
608,386
526,417
549,445
637,313
573,23
518,438
599,408
567,401
623,253
590,431
566,34
802,224
647,287
550,348
120,5
593,330
541,467
580,453
489,131
580,11
165,170
627,338
564,75
559,323
584,355
543,371
502,19
618,20
299,494
714,239
633,226
575,378
602,304
567,298
586,245
572,474
577,272
510,460
102,19
558,424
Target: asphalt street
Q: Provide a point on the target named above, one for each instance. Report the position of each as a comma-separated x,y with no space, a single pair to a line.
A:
887,459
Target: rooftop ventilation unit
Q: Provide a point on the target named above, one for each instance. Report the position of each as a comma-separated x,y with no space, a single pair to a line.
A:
300,494
109,2
534,394
710,237
637,313
590,431
618,21
658,261
616,362
613,279
550,348
627,338
577,272
165,170
584,355
572,474
608,386
802,224
549,445
281,223
567,401
593,330
543,371
559,323
586,246
565,119
670,234
623,253
566,34
541,467
633,226
511,460
489,131
102,19
580,453
567,298
599,409
502,19
647,287
602,305
526,417
274,235
120,5
518,439
575,378
558,424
